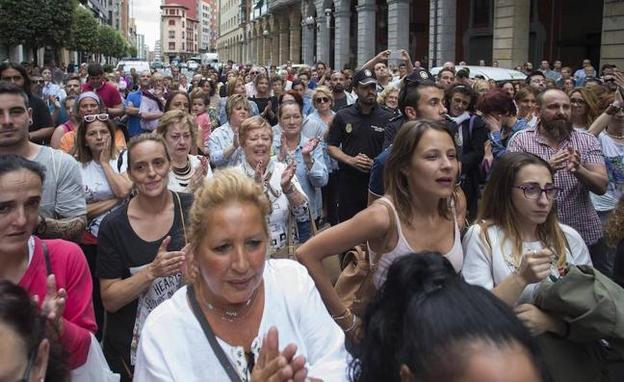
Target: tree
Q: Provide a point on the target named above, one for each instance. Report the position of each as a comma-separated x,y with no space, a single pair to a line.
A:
84,36
132,51
106,40
13,29
121,46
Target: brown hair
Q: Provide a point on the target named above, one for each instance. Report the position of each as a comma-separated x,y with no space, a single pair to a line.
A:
231,85
496,207
592,103
233,101
176,116
614,229
82,151
145,137
396,183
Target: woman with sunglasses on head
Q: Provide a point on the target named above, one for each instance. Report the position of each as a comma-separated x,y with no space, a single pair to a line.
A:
140,250
28,350
518,241
89,103
104,184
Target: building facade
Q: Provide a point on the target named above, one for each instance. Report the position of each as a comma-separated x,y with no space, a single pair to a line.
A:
350,32
179,32
209,25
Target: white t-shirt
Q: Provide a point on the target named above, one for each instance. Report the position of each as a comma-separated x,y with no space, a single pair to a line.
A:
173,346
180,183
488,267
96,188
614,159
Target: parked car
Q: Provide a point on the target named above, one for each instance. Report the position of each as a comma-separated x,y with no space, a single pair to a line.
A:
487,73
192,65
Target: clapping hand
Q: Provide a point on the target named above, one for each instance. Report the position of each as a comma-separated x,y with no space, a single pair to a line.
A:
287,176
574,160
309,147
275,366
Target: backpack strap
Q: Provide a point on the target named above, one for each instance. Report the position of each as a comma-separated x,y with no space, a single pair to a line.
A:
120,160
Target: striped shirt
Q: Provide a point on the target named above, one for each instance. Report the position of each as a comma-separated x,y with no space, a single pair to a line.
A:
573,203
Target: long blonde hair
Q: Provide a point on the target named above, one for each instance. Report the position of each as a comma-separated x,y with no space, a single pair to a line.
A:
497,209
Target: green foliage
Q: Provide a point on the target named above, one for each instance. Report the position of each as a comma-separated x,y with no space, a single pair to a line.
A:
132,51
84,28
106,40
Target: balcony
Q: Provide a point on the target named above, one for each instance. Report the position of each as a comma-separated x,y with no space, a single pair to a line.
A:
276,4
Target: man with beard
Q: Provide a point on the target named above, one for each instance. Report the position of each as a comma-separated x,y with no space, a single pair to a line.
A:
577,158
342,98
354,138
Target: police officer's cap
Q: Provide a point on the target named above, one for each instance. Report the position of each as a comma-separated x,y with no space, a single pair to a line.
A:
420,75
365,77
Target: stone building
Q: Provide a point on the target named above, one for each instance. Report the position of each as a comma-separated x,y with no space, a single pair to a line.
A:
340,32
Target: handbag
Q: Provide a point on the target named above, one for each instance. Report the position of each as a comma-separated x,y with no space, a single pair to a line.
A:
355,285
95,368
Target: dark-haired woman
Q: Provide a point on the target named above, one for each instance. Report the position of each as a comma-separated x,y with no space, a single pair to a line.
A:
420,181
140,253
426,324
471,136
53,270
267,104
518,241
27,351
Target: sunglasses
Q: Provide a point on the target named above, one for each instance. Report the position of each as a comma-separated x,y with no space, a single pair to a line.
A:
322,100
92,117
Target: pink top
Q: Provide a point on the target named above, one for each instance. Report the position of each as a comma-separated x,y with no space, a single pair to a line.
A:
455,255
68,126
70,268
203,121
107,92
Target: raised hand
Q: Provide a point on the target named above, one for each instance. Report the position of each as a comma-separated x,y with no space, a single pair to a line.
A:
53,305
574,160
287,176
309,147
535,266
259,174
283,152
275,366
166,262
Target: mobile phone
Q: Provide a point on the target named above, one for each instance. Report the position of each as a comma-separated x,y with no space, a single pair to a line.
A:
395,55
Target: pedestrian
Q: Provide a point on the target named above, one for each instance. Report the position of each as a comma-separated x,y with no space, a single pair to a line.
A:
355,137
224,142
104,89
242,299
140,256
420,183
580,168
525,101
584,108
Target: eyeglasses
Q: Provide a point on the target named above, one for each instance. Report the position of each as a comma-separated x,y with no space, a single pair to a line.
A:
577,101
12,78
534,191
92,117
322,100
38,81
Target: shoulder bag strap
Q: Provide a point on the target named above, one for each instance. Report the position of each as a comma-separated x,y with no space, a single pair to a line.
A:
46,256
181,216
212,340
393,226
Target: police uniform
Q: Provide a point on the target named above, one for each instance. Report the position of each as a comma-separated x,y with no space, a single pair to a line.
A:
355,133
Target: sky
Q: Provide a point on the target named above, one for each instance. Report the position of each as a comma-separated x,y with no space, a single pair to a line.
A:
147,17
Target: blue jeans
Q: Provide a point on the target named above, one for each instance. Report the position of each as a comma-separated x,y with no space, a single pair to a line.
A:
304,230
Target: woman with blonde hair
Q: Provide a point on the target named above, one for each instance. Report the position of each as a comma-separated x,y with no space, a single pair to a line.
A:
187,171
235,86
223,144
224,324
420,182
389,97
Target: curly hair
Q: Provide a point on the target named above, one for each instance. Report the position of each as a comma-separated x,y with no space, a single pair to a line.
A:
614,229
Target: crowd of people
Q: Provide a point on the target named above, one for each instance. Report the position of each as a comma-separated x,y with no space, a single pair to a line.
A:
190,226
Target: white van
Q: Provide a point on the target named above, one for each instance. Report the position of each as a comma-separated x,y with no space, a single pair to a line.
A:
488,72
138,64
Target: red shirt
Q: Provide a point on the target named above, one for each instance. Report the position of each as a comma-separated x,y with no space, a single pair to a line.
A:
70,268
107,92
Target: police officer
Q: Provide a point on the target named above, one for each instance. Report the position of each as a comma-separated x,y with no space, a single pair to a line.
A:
355,137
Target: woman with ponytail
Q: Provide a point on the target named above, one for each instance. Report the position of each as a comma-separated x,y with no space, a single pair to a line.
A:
426,324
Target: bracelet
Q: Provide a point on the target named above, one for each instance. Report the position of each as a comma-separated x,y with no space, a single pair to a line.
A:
353,324
344,315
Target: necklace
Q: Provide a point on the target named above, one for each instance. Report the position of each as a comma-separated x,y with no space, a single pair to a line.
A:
232,315
182,171
615,136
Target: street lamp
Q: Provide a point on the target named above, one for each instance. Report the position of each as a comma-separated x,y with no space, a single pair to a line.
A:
265,33
328,13
309,22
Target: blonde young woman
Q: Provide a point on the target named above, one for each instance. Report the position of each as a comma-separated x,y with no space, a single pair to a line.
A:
584,108
526,104
423,162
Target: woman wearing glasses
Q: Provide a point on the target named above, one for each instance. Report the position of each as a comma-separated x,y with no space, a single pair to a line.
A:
584,108
518,240
104,185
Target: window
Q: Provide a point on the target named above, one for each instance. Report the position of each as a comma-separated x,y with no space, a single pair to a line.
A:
172,46
481,13
171,34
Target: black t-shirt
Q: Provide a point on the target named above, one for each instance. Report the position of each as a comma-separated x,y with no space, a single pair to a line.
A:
119,250
41,114
262,103
339,104
358,133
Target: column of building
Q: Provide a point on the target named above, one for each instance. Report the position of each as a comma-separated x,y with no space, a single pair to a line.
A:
612,39
260,42
275,39
366,30
511,32
398,24
267,40
307,33
442,17
342,16
284,48
322,35
295,36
